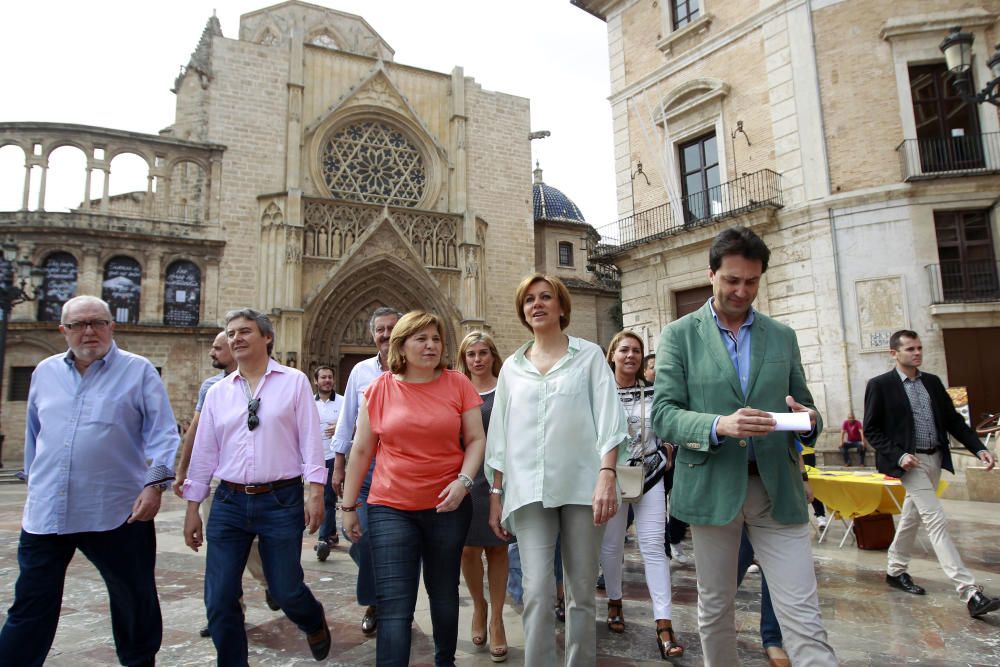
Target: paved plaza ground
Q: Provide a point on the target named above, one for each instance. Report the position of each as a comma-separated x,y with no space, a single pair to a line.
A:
868,623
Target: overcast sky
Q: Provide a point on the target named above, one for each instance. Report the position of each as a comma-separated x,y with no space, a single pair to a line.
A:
111,63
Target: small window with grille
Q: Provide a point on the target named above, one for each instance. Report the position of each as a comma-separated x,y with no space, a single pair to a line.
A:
565,253
20,383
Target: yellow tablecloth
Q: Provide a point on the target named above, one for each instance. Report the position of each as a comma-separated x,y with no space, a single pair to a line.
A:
859,494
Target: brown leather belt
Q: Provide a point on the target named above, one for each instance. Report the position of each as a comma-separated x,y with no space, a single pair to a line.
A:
752,469
254,489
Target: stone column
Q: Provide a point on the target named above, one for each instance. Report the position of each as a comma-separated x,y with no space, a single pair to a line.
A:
147,204
88,275
210,293
151,296
105,199
86,185
27,184
41,187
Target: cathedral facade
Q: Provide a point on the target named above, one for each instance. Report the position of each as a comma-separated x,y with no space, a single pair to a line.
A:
308,175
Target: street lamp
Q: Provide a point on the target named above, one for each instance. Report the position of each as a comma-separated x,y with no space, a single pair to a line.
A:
22,273
957,50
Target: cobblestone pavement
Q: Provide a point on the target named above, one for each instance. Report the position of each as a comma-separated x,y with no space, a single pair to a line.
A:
868,623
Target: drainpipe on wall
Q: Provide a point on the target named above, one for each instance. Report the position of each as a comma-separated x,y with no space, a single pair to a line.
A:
840,304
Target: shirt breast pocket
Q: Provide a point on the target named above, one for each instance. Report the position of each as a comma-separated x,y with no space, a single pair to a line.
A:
113,410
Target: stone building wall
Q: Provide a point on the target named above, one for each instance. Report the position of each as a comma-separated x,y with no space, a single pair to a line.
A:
253,102
822,89
247,114
497,142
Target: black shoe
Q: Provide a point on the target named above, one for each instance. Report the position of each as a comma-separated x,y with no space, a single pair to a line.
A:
369,622
322,550
980,604
319,642
204,632
600,581
904,583
272,605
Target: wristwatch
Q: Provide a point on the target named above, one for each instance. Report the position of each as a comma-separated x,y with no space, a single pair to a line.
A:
465,480
162,486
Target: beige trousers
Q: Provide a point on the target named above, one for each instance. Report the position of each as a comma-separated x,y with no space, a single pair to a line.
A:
784,552
537,529
923,506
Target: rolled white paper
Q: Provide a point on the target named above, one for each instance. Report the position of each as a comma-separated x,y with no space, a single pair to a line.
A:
791,421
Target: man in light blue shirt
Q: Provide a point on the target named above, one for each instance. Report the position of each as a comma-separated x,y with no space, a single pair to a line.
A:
380,325
99,446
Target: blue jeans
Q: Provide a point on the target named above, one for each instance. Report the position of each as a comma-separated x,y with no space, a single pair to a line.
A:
329,525
126,559
770,631
402,541
276,519
361,551
846,451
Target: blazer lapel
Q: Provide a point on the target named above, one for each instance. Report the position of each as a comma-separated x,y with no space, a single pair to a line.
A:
708,330
758,345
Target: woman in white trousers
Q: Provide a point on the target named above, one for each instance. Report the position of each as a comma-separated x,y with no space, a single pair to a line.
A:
625,358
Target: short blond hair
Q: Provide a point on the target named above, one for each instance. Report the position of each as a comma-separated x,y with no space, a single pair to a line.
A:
625,333
408,325
470,340
561,292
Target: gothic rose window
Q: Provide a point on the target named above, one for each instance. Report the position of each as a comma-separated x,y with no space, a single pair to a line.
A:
374,163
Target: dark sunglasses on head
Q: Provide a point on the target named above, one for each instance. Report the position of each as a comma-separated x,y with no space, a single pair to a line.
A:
253,421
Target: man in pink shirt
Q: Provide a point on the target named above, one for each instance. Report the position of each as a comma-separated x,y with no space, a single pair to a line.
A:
259,434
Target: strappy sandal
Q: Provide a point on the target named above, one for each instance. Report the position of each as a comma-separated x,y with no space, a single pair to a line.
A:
669,646
616,617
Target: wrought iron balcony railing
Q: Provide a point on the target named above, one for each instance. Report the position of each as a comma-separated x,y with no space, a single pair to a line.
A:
949,156
759,189
962,282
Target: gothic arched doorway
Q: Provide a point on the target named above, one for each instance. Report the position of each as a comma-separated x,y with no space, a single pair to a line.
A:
337,320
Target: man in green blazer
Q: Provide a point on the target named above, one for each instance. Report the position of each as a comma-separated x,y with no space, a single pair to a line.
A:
720,372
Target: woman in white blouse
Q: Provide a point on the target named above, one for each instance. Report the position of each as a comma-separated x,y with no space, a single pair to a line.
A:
625,359
550,458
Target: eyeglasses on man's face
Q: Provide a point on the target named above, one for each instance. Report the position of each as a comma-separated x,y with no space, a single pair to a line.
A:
81,326
253,421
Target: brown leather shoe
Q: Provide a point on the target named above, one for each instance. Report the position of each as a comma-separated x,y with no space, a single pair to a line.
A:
776,657
319,641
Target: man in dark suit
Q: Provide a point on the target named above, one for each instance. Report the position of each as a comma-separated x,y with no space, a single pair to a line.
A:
908,416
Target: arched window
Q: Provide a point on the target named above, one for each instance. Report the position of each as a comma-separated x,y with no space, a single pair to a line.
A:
59,286
375,163
182,295
121,287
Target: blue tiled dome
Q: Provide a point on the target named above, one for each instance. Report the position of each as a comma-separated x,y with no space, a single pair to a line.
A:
551,204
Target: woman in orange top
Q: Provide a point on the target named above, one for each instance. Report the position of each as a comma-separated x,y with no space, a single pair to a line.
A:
418,415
